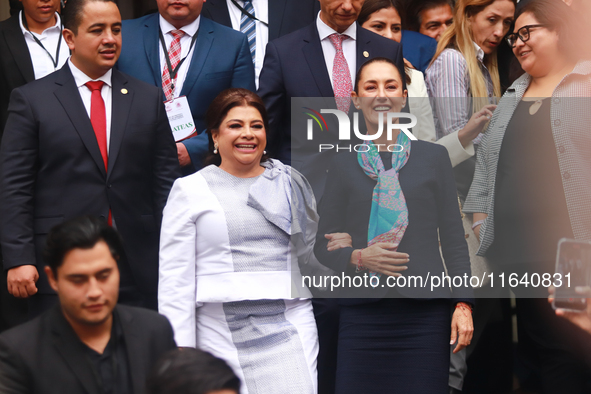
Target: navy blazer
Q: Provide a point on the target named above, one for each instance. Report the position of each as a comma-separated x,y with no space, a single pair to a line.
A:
51,170
429,188
221,60
285,16
418,49
294,66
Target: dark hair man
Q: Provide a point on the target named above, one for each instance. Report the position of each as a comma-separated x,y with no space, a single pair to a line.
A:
430,17
192,371
87,343
86,139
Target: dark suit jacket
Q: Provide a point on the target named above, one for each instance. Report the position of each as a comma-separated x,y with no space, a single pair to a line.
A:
221,60
429,188
294,67
51,170
418,49
16,67
44,356
285,16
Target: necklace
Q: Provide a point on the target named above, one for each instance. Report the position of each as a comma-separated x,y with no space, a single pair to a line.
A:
533,109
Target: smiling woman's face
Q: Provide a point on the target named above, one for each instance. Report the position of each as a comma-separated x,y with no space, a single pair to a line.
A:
538,54
380,90
241,140
490,25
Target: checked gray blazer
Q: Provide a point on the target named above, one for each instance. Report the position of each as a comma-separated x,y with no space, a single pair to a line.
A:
570,113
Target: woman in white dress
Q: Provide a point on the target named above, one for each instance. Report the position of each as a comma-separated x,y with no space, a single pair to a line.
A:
233,238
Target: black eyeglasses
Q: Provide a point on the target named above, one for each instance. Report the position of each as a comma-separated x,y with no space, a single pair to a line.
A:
522,34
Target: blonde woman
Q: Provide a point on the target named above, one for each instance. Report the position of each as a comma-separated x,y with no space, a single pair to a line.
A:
463,78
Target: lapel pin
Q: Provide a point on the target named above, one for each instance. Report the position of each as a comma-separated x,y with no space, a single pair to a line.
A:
124,91
365,54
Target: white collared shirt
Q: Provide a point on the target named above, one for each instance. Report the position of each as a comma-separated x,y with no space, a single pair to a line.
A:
190,30
261,11
80,78
42,62
349,47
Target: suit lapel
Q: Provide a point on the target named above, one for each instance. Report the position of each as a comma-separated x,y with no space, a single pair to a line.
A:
151,46
276,11
202,46
363,48
18,47
69,97
121,104
136,349
68,346
315,58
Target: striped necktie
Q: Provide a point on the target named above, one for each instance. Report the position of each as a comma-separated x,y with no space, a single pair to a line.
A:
248,27
174,53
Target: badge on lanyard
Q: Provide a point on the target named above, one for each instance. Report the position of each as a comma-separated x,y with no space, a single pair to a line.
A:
180,118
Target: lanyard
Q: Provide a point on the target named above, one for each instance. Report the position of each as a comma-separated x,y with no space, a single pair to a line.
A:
251,16
59,43
172,72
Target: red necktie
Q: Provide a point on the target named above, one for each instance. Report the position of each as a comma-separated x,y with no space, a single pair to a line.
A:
341,76
98,118
174,53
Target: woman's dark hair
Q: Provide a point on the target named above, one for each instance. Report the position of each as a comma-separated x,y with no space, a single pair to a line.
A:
371,6
371,61
559,17
79,233
219,108
191,371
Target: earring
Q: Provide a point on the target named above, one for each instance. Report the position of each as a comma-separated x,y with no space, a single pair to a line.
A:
215,148
264,152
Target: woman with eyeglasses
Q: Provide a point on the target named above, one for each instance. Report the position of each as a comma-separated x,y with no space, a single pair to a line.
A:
532,184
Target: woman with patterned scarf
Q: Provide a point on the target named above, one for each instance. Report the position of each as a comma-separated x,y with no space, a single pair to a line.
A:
391,208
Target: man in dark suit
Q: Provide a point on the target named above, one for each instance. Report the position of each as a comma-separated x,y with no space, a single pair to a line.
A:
218,59
272,19
302,64
23,60
86,344
297,65
85,140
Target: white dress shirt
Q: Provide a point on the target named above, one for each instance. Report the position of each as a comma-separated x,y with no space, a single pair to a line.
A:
80,78
42,62
190,30
349,47
261,12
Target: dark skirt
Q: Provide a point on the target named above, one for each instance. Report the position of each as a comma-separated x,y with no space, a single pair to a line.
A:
394,346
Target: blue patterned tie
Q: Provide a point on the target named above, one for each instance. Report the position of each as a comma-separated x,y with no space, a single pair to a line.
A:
248,27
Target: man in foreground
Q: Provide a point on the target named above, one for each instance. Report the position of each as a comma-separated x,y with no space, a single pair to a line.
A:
87,343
